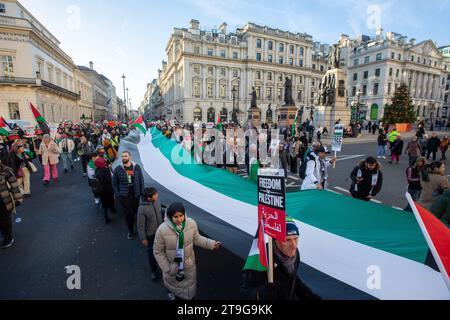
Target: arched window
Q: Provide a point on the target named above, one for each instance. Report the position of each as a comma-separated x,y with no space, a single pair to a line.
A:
211,115
224,115
198,116
269,115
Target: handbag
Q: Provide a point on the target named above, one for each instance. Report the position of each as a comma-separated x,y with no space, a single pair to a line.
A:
32,167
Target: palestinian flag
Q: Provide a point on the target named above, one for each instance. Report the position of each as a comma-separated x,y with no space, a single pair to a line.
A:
40,119
294,126
257,258
219,123
140,125
437,236
4,128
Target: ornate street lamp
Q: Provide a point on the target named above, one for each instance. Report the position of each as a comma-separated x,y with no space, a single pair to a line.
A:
234,117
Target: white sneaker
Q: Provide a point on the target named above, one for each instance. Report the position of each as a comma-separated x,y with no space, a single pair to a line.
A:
379,157
384,158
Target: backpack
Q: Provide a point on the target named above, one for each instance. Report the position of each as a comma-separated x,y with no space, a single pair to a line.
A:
304,166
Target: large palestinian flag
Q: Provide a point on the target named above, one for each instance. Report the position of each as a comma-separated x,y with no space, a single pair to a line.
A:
342,240
140,125
43,125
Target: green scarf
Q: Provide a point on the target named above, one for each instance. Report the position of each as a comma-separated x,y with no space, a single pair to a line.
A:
179,256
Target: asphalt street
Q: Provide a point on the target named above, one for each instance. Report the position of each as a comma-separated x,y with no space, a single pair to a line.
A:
61,226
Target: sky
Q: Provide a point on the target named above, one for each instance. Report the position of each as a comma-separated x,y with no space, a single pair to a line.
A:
130,37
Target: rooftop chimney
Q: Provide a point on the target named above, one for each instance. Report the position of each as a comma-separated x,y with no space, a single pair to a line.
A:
195,24
91,65
412,42
379,33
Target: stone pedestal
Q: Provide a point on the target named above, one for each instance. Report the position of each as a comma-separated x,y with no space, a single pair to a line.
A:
327,116
286,116
255,117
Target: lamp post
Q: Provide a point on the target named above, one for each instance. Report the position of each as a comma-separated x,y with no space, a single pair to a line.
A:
234,115
124,97
128,103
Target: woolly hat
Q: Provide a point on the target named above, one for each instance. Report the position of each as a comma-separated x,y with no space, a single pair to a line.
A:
291,228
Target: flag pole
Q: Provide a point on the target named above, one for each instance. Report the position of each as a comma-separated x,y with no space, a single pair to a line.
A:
334,163
270,264
433,250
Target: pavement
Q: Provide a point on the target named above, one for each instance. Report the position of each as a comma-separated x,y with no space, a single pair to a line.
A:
61,226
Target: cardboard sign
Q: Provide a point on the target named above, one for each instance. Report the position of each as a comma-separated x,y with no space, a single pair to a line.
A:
272,203
338,138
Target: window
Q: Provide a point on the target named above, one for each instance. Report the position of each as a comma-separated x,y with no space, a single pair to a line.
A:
377,72
280,60
258,56
269,76
379,56
291,61
395,87
397,73
197,50
58,77
375,89
270,58
367,60
258,75
412,58
280,78
223,72
435,64
235,73
269,93
314,66
366,74
7,68
280,93
258,92
391,72
65,81
2,8
399,56
353,91
210,71
300,96
281,47
223,91
210,90
321,68
389,88
222,54
258,43
270,45
364,91
356,62
210,52
198,114
392,55
355,77
196,89
235,55
197,69
302,51
291,49
301,63
300,79
14,113
313,82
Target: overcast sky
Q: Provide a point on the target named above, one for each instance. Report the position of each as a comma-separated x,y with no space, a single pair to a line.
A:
129,37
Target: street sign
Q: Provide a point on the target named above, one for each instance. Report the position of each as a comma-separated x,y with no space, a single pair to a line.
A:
338,138
272,203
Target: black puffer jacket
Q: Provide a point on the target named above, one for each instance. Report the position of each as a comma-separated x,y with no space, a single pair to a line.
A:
120,181
365,188
254,285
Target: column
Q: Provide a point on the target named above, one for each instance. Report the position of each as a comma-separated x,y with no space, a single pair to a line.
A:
204,86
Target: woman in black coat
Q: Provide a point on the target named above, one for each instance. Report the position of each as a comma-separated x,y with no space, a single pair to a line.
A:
103,175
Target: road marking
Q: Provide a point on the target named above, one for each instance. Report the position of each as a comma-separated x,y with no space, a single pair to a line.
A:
351,157
294,177
292,184
334,192
376,201
342,189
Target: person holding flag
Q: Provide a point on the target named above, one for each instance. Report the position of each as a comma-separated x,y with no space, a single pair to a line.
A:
287,284
43,125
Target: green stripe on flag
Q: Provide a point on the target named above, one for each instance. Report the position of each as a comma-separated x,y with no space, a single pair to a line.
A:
253,263
4,132
40,119
367,223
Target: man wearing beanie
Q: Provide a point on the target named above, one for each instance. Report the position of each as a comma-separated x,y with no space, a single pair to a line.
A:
174,251
287,284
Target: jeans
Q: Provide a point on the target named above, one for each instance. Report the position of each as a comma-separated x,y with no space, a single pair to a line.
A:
130,207
429,153
67,160
415,195
54,169
381,151
151,256
84,162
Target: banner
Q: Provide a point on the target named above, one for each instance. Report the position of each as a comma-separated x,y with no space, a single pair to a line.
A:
338,138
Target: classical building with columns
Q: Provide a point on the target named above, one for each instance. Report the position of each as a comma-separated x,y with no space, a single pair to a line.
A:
446,108
376,66
210,73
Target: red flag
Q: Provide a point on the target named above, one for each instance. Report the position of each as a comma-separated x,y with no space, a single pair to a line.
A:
262,245
437,235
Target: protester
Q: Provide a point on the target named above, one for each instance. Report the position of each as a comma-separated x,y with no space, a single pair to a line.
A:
423,145
396,148
433,146
174,251
441,208
444,147
92,180
85,150
316,170
149,218
10,198
367,179
434,183
106,192
50,158
287,284
128,184
382,145
20,162
413,150
66,147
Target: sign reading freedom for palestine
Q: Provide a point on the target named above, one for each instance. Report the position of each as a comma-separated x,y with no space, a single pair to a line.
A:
272,203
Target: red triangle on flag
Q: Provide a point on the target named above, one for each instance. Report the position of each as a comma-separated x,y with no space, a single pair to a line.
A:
262,246
437,235
139,120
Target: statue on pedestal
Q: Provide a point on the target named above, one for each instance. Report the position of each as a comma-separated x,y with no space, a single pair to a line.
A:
288,100
334,57
254,103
